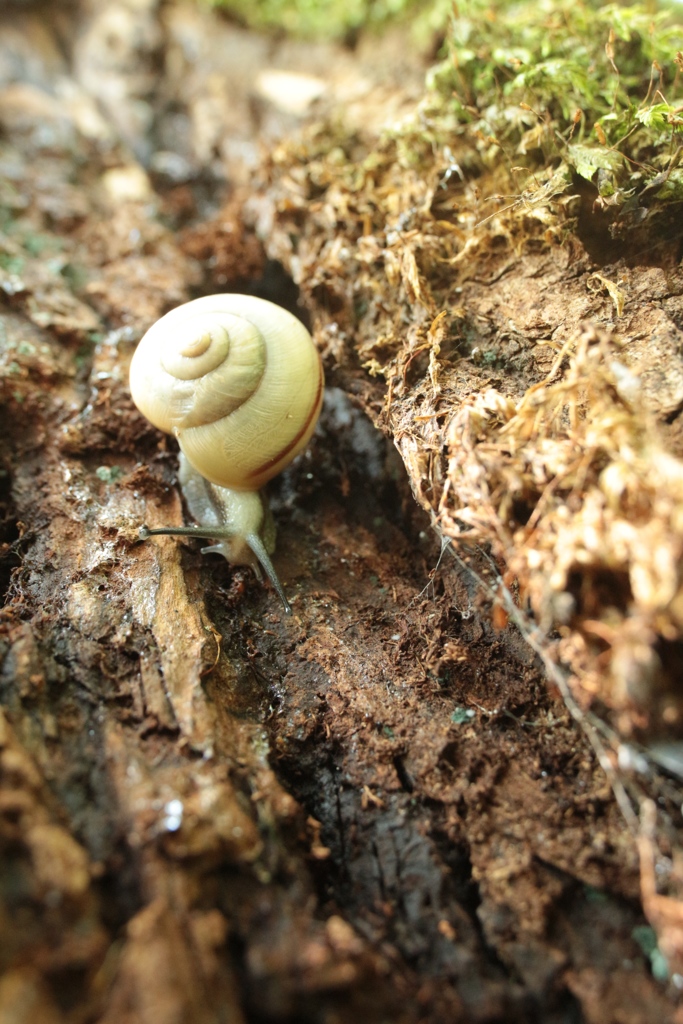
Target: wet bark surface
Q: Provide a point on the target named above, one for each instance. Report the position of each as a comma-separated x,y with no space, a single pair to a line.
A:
376,809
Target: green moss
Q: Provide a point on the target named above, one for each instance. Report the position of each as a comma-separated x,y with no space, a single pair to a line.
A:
462,715
646,938
108,474
594,88
12,264
322,19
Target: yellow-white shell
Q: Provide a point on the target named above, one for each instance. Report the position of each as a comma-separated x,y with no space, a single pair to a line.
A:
237,379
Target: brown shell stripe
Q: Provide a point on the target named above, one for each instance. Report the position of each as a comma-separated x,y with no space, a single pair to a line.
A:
295,440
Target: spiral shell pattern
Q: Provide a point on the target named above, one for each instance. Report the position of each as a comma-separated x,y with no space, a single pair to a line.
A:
238,381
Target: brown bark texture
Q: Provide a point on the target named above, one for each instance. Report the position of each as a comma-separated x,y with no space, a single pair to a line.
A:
428,795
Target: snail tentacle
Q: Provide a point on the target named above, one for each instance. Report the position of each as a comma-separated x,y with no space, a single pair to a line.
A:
207,533
259,549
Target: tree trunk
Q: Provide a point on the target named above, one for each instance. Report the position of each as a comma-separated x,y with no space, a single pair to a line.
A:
379,808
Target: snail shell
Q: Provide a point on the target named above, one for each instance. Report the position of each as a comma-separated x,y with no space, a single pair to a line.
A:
238,381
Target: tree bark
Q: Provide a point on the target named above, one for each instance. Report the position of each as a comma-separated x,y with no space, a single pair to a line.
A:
376,809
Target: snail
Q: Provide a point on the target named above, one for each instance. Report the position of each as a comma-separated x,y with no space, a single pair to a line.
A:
239,382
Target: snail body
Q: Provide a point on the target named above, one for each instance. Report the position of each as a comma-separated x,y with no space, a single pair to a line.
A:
239,382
